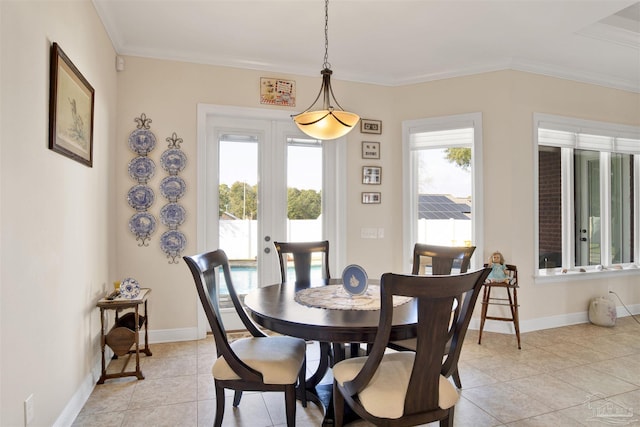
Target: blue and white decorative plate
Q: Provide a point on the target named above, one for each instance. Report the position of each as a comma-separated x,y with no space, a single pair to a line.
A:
142,141
172,215
172,187
141,197
354,279
173,161
142,169
142,224
173,242
129,288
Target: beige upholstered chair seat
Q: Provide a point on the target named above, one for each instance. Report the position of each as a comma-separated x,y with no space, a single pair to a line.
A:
278,359
382,397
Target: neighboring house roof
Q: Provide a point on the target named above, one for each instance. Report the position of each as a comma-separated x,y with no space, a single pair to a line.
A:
439,206
227,215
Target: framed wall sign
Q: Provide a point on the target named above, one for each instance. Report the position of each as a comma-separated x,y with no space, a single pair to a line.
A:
370,150
277,92
370,126
71,100
371,198
372,175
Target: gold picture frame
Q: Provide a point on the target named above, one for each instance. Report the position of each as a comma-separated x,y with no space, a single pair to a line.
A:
71,103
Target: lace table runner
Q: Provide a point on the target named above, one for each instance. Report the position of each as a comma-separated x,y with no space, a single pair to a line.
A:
334,297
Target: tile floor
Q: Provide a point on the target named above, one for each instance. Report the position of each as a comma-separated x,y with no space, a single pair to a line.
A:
581,375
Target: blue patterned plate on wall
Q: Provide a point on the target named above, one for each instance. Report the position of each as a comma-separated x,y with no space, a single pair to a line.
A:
172,215
142,169
172,187
173,242
173,161
129,288
354,279
141,197
142,224
142,141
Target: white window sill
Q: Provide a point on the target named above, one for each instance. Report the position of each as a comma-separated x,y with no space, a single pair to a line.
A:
552,275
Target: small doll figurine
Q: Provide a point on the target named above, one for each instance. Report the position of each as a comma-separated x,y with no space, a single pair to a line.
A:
498,269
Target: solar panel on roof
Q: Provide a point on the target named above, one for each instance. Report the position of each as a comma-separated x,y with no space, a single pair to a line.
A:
437,206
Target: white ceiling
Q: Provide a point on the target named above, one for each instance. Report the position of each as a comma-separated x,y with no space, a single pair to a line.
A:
388,42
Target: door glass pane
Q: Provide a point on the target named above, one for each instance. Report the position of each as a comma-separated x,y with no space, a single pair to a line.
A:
587,207
444,196
304,195
549,207
622,208
238,204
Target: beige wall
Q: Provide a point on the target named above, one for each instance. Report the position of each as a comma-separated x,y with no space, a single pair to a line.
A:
168,92
57,227
65,230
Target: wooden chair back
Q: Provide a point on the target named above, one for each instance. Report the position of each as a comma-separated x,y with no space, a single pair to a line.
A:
205,270
302,254
436,296
443,258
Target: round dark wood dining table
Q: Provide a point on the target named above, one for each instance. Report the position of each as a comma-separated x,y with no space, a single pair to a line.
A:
274,307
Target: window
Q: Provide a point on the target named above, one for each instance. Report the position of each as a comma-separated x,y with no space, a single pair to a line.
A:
587,191
442,172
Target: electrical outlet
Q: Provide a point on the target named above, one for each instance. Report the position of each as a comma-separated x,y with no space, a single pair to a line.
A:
29,410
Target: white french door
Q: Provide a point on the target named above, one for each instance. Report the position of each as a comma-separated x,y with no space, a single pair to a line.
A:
247,161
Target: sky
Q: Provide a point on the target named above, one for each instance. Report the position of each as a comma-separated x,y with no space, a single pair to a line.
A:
239,163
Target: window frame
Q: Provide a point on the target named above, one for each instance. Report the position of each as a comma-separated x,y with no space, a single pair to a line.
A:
434,124
568,270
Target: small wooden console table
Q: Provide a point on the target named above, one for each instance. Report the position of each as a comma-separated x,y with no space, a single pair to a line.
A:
125,332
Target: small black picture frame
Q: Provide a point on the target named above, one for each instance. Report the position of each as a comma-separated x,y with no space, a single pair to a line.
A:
371,126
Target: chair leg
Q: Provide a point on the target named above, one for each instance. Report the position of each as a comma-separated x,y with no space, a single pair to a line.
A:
516,317
448,422
219,405
483,312
236,398
338,406
456,378
290,404
302,383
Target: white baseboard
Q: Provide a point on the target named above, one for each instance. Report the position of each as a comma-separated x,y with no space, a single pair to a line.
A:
545,322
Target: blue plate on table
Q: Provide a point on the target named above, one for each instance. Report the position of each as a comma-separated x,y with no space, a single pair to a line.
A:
129,288
354,279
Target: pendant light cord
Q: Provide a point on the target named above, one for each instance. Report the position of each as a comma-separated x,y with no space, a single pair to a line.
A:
326,35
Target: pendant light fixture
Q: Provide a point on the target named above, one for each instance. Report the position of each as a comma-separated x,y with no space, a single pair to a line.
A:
328,122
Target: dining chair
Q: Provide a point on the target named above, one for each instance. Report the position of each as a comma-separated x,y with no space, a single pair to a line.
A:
408,388
302,254
259,363
510,300
442,260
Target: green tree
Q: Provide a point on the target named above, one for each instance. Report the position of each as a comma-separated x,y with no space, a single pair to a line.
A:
243,200
303,204
459,156
223,199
